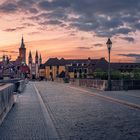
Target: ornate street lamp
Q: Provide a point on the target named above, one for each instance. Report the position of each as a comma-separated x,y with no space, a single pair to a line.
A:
109,45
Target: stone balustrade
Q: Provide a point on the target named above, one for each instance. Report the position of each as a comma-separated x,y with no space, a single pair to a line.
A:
90,83
103,84
6,99
8,91
19,84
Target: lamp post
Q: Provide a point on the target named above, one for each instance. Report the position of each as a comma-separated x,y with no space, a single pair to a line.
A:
109,45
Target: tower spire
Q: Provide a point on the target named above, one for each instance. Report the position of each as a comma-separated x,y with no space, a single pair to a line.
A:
22,43
40,59
22,51
36,54
30,54
36,57
30,57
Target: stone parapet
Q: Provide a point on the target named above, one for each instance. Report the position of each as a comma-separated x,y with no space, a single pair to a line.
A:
19,84
91,83
103,84
6,99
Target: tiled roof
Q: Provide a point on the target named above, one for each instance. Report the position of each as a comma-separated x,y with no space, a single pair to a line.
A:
92,64
102,64
42,66
62,61
118,66
55,62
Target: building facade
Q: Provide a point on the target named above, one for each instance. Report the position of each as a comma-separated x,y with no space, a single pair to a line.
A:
34,66
82,68
54,67
73,68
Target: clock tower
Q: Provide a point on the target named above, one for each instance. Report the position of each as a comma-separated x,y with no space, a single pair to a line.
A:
22,51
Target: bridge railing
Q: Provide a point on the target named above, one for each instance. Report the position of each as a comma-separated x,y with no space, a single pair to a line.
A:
8,91
6,99
19,84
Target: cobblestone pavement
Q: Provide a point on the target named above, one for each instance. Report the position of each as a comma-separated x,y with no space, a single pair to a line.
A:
132,96
81,116
26,120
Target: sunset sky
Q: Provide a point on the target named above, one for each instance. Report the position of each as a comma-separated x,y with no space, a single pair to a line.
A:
71,28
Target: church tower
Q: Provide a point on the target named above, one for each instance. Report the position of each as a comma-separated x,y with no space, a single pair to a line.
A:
40,60
30,58
22,51
30,62
36,57
37,64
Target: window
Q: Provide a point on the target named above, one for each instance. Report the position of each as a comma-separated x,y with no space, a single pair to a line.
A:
75,70
74,65
50,67
79,64
51,73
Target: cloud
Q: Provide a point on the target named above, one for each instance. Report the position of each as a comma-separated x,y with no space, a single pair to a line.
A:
28,24
106,18
137,26
98,45
8,7
129,39
72,34
54,22
46,5
84,48
132,55
13,29
19,6
33,33
33,10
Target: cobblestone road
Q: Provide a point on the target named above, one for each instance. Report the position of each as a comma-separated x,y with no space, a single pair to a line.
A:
26,119
81,116
130,96
75,115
